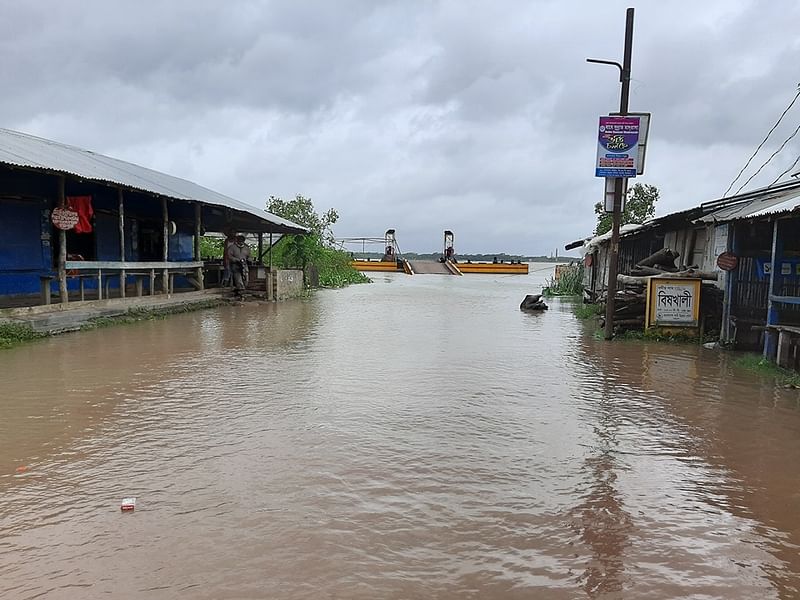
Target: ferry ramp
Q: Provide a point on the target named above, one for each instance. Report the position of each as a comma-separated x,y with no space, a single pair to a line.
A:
429,267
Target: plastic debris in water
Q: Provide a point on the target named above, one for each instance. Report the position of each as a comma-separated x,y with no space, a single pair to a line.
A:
22,469
128,504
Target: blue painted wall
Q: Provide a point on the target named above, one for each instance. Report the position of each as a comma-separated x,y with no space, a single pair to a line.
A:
27,238
25,251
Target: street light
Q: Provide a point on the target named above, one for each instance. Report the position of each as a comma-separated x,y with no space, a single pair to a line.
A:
625,80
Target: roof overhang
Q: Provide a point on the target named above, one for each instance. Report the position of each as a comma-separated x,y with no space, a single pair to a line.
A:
29,152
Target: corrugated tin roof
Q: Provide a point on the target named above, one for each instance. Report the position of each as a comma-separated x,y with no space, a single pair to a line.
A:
758,203
773,200
23,150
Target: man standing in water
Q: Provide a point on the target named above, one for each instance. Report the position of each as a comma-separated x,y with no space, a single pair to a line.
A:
226,271
238,255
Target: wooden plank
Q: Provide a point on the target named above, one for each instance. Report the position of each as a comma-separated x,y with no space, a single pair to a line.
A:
78,265
786,328
44,285
784,348
784,299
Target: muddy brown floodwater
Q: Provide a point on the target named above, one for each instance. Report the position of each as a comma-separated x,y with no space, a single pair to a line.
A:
415,438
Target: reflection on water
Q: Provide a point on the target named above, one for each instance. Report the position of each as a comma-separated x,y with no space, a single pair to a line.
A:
418,437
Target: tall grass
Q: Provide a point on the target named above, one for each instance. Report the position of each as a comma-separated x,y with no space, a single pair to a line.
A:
588,311
758,364
569,282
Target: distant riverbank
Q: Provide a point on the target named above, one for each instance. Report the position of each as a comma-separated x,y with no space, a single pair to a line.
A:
475,257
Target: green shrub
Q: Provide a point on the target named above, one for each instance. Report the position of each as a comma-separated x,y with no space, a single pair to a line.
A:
758,364
334,266
336,270
212,247
13,334
588,311
569,283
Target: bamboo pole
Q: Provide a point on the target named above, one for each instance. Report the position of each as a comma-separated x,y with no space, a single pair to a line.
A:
270,274
62,246
122,277
165,273
198,227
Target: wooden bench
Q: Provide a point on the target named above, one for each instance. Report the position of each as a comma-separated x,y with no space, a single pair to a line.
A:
45,281
189,274
139,270
788,347
140,277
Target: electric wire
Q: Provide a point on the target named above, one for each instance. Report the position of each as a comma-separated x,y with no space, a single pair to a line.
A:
796,160
749,160
771,156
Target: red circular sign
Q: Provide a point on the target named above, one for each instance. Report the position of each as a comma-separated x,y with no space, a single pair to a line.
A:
64,218
727,261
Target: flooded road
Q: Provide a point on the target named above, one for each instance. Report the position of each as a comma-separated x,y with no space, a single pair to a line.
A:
419,437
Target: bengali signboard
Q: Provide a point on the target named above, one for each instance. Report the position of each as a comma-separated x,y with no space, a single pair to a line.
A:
617,147
727,261
673,302
64,218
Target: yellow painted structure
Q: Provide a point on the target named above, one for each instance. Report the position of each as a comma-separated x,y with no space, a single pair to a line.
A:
376,265
497,268
673,302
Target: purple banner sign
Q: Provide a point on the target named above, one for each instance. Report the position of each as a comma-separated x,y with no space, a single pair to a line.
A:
617,147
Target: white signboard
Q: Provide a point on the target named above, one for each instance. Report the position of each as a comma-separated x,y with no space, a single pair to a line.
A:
675,303
644,132
608,202
720,241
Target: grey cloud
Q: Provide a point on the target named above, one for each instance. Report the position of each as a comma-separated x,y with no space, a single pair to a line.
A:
421,115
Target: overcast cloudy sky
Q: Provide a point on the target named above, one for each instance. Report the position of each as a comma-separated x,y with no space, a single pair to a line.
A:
421,115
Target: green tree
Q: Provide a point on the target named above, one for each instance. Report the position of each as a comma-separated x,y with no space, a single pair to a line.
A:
301,250
315,248
301,210
212,247
640,205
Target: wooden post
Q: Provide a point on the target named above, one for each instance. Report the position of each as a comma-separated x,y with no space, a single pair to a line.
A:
165,274
198,227
270,275
730,285
260,247
771,336
122,278
63,293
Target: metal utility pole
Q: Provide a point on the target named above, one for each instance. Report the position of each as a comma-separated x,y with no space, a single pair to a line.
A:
619,184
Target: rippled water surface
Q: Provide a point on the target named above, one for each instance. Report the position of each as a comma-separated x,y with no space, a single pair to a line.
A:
419,437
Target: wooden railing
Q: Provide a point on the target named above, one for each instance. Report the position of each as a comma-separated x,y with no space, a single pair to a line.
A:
102,270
